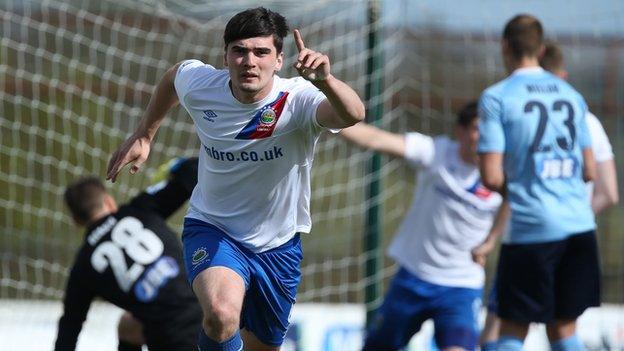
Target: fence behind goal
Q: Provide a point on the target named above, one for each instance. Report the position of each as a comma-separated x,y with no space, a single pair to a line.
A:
75,77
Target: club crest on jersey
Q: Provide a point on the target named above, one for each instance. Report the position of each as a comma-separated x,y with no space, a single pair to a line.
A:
268,117
264,121
479,190
199,256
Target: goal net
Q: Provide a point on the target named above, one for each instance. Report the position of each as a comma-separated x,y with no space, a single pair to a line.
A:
75,76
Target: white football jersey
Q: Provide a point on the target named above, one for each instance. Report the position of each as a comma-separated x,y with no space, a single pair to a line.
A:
600,142
255,159
451,213
601,146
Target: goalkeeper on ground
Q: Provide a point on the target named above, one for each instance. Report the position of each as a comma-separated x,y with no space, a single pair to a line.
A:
131,258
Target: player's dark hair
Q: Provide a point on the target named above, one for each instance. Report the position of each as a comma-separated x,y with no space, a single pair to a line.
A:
84,197
257,22
524,35
553,58
467,114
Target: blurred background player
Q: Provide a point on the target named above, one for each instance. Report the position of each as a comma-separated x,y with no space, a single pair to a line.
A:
131,258
603,191
451,213
535,148
258,133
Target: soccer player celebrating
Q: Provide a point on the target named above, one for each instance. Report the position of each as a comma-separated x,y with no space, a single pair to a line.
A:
603,192
535,148
450,214
133,260
258,132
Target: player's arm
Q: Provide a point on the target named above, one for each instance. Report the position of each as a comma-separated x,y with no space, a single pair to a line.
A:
589,165
136,148
373,138
175,183
491,145
76,305
585,143
479,253
343,107
491,168
605,186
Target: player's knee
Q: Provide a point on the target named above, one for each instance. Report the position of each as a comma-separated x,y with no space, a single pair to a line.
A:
221,321
218,331
224,314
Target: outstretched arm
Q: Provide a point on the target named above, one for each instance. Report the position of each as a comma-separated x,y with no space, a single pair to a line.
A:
76,305
373,138
136,148
343,107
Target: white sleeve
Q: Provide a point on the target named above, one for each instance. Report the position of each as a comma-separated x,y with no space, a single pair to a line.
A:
600,142
307,99
189,73
419,149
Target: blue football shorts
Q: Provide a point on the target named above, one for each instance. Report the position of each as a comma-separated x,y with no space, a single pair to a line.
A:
410,301
271,277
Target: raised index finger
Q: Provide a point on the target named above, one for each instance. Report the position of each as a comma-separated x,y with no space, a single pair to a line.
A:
299,40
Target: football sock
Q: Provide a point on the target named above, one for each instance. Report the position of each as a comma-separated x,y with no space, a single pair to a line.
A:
235,343
509,343
489,346
571,343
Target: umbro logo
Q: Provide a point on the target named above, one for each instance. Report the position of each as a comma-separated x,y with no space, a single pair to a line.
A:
209,115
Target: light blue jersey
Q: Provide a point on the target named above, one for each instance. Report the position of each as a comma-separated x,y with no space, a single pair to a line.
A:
538,122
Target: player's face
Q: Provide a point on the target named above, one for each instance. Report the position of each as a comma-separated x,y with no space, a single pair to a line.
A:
252,62
468,138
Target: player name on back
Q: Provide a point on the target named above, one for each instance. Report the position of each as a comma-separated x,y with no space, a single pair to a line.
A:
100,231
546,88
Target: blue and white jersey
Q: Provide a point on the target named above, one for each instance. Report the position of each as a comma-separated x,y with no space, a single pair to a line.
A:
255,159
538,122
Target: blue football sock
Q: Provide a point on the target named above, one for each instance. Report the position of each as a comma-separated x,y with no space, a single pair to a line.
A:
489,346
571,343
509,343
235,343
